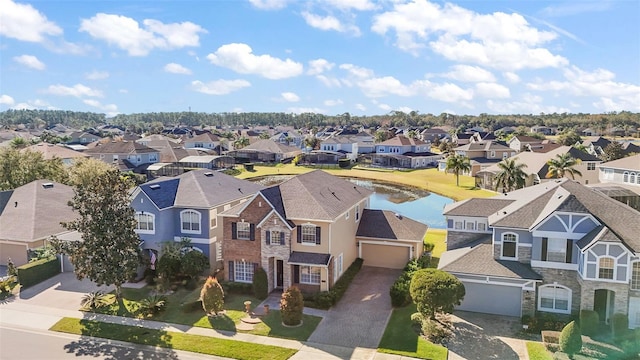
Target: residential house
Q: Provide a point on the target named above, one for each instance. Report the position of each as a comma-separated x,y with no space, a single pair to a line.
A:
291,138
482,155
537,167
620,179
206,140
462,138
404,152
265,150
557,247
430,135
82,138
170,149
30,215
51,151
545,130
187,206
596,146
524,143
360,143
127,155
307,230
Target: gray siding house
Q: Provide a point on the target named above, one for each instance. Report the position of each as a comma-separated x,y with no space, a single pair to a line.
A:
556,247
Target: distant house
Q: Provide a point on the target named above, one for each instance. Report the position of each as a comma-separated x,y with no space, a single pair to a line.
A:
430,135
525,143
620,179
50,151
482,155
205,140
596,146
291,138
404,152
82,138
127,155
29,215
540,129
187,206
558,248
265,150
360,143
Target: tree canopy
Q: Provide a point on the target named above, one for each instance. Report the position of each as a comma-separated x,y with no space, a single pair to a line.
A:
435,291
458,164
20,167
561,165
511,175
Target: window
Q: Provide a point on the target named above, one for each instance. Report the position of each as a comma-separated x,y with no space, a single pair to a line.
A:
556,250
505,155
554,298
243,271
591,166
145,223
470,226
275,237
608,173
493,153
153,157
309,275
632,178
482,227
346,215
509,245
635,276
458,225
243,230
214,221
199,145
357,215
309,234
605,268
190,221
625,177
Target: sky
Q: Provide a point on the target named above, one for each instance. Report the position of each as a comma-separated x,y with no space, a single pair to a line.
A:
325,56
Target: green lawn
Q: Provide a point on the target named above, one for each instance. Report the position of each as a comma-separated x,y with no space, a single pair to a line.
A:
400,338
428,179
234,311
537,351
179,341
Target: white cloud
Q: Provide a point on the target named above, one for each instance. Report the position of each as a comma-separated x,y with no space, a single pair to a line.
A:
123,91
290,97
405,109
219,87
319,66
176,69
468,73
382,86
110,110
497,40
357,71
448,92
361,107
97,75
23,106
77,90
329,81
331,102
269,4
33,104
127,34
329,22
6,100
492,90
29,61
360,5
384,107
529,104
24,22
239,58
300,110
511,77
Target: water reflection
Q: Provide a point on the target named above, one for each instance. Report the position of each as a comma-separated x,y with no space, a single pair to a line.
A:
408,201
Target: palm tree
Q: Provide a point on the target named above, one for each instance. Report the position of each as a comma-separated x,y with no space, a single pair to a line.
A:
241,142
458,164
511,175
561,165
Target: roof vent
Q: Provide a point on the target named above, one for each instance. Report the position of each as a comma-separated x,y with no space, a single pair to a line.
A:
398,216
208,174
47,185
154,186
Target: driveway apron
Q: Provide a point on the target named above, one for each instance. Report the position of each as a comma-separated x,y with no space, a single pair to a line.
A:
359,319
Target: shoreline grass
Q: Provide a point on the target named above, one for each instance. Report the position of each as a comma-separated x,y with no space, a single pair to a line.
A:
172,340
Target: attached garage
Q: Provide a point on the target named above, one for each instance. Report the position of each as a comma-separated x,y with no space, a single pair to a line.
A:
386,256
16,252
492,299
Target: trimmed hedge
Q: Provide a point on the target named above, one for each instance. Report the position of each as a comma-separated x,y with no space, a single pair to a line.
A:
38,271
619,325
399,291
589,320
570,339
260,284
326,299
237,288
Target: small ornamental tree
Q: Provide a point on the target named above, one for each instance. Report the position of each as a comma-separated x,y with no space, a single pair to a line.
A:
212,296
260,284
435,291
291,306
193,263
571,339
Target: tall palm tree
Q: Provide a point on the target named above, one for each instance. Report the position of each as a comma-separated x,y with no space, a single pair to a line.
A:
511,175
562,165
458,164
241,142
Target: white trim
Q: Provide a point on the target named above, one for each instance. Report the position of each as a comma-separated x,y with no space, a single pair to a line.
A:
553,310
182,230
559,234
386,243
534,229
502,257
202,241
491,282
153,222
554,265
630,274
383,239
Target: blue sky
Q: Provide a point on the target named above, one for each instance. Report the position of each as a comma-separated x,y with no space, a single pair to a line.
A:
327,56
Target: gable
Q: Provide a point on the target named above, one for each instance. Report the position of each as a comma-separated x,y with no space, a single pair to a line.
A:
572,226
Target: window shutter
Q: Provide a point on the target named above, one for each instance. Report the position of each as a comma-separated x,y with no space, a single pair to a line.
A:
299,231
545,243
317,235
268,237
231,272
255,267
234,230
252,232
569,251
281,238
296,274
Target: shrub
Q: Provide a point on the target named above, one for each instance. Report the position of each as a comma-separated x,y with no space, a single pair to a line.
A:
5,285
237,288
193,263
153,304
428,247
570,339
435,291
323,299
399,291
260,284
435,331
291,306
212,296
589,322
417,319
326,299
150,276
344,163
11,268
38,271
93,300
619,325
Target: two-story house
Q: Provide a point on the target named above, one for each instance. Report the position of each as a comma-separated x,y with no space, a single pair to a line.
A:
620,179
204,141
556,247
82,138
127,155
481,154
525,143
188,206
403,152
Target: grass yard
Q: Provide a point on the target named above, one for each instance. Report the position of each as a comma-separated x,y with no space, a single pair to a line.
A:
428,179
172,340
537,351
175,313
400,338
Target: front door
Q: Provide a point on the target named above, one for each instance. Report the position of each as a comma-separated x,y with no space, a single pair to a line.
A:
603,303
279,273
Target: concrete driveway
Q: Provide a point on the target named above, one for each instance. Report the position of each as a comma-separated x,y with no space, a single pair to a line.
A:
359,319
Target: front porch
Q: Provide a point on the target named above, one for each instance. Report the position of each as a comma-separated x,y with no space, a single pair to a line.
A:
307,271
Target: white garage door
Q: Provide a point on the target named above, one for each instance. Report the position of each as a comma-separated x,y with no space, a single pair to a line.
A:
386,256
492,299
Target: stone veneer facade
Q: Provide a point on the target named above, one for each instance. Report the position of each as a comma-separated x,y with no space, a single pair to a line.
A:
458,239
528,303
275,251
621,298
568,278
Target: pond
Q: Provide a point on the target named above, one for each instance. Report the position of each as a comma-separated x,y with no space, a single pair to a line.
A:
408,201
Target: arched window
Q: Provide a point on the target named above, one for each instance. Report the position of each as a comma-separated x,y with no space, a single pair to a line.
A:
190,221
632,178
554,298
635,276
625,176
509,245
145,223
605,267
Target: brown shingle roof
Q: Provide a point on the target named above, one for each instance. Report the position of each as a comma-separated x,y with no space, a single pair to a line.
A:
401,140
50,151
271,146
120,147
476,207
384,224
204,188
626,163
